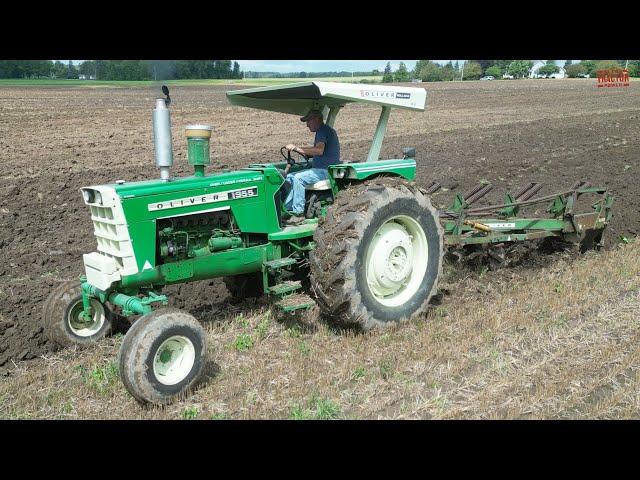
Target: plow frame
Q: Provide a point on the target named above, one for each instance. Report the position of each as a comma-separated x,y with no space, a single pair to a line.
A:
464,225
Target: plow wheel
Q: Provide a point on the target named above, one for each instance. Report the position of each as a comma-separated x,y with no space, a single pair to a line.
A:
61,318
378,254
162,356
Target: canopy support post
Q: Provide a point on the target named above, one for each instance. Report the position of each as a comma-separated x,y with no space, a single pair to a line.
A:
333,113
376,145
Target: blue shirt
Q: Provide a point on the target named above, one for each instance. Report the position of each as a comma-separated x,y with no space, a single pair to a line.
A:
331,155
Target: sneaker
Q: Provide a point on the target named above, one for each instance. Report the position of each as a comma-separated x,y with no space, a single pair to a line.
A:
295,219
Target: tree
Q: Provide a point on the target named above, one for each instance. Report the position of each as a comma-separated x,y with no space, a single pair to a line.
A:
430,72
472,71
448,73
549,68
590,65
606,65
72,71
575,70
401,75
494,71
484,64
520,68
236,70
634,68
568,63
387,77
59,69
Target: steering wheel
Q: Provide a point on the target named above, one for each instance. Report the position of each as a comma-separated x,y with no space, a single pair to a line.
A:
290,160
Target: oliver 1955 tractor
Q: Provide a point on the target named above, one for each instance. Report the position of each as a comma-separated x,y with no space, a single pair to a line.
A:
369,253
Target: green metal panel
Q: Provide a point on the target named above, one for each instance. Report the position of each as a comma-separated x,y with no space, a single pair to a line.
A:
294,232
229,262
248,193
359,171
511,224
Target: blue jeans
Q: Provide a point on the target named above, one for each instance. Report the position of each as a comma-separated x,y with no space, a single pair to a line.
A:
295,200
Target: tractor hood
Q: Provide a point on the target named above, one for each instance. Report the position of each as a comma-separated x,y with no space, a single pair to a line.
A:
158,187
299,98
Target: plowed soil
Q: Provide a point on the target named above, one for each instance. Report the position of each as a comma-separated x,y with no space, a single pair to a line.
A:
55,140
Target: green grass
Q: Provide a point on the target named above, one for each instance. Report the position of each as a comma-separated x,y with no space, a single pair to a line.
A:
190,413
317,409
243,342
100,377
249,82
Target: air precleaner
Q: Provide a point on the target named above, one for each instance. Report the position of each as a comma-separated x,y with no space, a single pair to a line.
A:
198,147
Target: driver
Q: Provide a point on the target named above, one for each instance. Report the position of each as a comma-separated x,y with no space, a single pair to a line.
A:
325,152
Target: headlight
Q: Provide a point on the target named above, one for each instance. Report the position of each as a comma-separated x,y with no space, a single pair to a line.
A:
88,195
340,173
98,198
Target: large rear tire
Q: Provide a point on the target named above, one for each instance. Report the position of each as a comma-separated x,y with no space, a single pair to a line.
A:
162,356
61,317
378,254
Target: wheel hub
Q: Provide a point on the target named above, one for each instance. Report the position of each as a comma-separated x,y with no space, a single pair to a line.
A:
396,261
174,359
82,326
391,257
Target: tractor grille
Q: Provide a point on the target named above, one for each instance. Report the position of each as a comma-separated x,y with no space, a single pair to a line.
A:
112,235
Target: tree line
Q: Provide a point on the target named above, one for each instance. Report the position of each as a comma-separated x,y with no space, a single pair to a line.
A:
374,73
430,71
121,69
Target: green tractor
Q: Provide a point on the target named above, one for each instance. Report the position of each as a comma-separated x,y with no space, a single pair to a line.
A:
369,253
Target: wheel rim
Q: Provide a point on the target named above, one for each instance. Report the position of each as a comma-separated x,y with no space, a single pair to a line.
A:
396,261
83,328
174,359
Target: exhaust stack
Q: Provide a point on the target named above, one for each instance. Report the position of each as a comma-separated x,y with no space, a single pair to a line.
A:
162,138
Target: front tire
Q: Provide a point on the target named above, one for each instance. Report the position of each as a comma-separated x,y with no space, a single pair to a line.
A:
61,317
378,254
162,356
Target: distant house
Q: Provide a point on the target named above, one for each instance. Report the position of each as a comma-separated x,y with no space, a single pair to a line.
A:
538,64
86,77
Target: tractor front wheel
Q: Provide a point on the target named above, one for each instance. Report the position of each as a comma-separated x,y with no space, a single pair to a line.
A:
162,356
378,254
63,323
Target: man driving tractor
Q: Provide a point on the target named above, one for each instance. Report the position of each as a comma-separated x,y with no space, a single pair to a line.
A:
325,152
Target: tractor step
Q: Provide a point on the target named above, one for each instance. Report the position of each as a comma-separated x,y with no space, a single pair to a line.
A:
285,287
297,301
279,263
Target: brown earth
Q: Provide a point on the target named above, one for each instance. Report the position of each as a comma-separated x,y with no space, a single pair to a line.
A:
55,140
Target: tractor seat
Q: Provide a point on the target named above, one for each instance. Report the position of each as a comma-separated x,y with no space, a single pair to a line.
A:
321,185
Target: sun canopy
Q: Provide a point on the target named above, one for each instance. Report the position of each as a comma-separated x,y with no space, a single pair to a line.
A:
299,98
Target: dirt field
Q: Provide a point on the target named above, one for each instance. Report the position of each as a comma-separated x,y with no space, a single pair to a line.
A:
55,140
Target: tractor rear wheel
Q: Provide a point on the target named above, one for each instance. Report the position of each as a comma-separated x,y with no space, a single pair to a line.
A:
61,317
378,254
162,356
